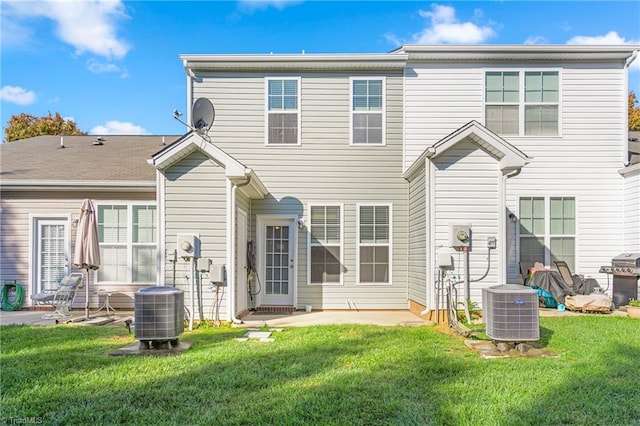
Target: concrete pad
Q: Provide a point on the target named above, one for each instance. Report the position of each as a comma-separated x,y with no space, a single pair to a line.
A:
304,319
489,350
135,349
258,334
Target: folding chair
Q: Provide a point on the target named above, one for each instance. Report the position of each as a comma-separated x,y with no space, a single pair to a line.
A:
61,298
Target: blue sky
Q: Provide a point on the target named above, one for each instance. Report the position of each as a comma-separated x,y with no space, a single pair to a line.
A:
114,68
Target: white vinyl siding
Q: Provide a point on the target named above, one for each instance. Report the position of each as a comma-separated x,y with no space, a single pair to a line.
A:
325,244
283,111
522,102
367,111
128,247
465,190
418,215
547,230
374,244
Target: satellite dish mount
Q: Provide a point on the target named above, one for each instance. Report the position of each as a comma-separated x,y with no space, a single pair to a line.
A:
202,116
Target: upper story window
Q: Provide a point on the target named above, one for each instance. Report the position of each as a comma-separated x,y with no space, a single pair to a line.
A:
522,102
367,111
128,247
283,111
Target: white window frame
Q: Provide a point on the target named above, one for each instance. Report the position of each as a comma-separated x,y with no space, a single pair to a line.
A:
298,111
129,244
341,245
383,111
547,227
521,99
389,244
34,221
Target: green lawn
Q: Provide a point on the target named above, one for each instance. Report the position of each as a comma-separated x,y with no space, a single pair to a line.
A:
360,375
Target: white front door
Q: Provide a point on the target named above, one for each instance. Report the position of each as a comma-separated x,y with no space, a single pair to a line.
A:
51,253
277,256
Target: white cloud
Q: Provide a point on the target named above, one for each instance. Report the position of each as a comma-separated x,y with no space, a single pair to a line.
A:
108,67
88,26
17,95
612,38
115,127
446,28
536,40
252,5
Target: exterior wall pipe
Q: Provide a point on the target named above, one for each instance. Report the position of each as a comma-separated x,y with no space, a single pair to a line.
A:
232,242
502,225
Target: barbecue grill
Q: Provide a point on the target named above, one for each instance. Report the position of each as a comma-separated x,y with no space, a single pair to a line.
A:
625,269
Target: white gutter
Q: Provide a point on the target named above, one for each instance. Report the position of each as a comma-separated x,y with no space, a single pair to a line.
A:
67,185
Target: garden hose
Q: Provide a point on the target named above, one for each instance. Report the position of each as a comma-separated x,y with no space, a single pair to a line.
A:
18,296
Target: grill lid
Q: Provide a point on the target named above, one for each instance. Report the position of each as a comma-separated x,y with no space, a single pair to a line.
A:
629,260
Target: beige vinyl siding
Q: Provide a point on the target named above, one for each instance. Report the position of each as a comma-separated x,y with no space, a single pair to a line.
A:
632,212
16,208
195,203
418,216
467,193
323,169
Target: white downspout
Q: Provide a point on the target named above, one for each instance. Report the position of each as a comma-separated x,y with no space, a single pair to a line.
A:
502,226
231,252
190,76
232,249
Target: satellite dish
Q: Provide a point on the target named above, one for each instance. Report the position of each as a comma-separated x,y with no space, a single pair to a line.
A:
202,115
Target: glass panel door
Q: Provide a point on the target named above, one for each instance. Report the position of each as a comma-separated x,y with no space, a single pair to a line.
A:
51,253
278,264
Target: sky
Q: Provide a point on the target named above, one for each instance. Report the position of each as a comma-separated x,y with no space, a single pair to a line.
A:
113,66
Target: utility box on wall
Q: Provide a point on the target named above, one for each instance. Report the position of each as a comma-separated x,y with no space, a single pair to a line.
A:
459,236
188,246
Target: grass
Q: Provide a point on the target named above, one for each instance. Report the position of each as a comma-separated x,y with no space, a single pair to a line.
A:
348,374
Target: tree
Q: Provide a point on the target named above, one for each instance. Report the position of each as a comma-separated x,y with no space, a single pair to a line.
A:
27,126
634,112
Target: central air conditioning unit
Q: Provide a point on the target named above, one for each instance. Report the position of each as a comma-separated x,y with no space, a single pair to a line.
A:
510,313
159,316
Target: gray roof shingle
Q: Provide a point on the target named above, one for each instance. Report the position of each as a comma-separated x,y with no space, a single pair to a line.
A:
119,158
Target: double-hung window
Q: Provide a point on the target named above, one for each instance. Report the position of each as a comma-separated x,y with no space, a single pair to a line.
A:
127,236
548,230
374,244
325,244
283,111
522,102
367,111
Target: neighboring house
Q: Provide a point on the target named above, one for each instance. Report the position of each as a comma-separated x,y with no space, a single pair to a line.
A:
346,173
43,181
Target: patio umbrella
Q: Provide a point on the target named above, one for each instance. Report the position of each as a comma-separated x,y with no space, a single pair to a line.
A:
87,250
